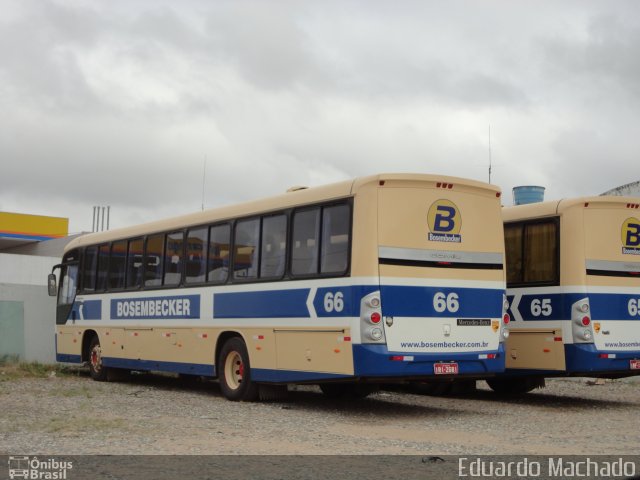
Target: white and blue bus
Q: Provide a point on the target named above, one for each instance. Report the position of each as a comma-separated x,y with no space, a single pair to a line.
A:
391,277
573,284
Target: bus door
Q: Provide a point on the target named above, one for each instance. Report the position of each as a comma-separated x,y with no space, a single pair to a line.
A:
441,268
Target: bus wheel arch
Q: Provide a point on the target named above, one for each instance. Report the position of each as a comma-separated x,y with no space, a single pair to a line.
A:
234,369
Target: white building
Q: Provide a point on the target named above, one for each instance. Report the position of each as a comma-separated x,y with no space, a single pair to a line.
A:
628,190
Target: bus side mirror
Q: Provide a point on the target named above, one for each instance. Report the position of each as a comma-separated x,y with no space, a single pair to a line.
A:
51,285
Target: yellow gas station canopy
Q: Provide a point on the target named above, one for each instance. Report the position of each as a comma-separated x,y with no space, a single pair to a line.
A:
19,228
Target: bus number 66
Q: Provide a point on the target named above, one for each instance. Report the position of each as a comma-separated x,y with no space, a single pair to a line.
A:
333,302
442,302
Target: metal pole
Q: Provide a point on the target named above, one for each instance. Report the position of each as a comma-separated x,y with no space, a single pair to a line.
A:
93,221
108,211
102,229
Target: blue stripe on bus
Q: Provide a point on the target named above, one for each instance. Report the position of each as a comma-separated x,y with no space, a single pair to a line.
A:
341,301
158,366
91,310
292,303
603,306
264,304
613,306
406,301
559,304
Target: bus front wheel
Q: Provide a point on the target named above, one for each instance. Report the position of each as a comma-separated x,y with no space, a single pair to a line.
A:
235,372
97,370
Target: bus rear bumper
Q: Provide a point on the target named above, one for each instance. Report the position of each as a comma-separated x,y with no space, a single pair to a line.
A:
586,360
376,361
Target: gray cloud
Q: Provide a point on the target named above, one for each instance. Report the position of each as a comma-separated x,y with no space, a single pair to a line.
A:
119,103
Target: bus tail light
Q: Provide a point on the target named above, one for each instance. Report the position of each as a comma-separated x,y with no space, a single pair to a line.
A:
371,327
506,318
581,325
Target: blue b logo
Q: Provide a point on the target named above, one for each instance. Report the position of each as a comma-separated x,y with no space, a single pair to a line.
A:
445,219
631,233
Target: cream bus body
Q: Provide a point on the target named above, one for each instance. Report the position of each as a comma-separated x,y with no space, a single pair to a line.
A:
573,277
401,278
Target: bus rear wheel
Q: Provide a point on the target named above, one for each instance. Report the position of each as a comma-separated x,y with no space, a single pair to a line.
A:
97,370
235,372
515,386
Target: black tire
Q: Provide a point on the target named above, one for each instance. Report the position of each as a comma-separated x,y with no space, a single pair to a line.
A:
97,370
515,386
235,372
348,390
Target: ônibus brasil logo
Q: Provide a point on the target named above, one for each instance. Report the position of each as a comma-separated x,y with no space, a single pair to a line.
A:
32,468
631,236
444,221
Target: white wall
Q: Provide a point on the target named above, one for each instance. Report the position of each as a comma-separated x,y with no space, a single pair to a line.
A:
23,278
25,269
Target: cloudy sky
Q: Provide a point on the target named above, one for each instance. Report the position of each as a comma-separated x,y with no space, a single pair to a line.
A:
122,103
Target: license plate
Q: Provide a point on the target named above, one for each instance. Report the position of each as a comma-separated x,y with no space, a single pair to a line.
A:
446,368
635,365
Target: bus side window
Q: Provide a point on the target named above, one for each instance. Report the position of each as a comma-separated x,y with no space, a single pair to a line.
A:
218,255
274,246
103,267
173,259
513,252
89,268
134,263
305,242
335,239
117,262
196,259
154,256
246,252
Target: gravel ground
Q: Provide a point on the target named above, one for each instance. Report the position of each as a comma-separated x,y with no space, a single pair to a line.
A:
151,414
